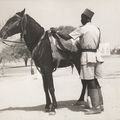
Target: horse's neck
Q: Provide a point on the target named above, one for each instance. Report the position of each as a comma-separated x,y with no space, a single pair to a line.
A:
33,33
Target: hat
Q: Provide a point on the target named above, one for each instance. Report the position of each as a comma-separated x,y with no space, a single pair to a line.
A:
88,13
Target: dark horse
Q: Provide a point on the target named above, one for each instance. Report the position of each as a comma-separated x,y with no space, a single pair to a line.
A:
37,41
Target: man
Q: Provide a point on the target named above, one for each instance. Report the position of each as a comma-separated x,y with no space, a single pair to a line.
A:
91,61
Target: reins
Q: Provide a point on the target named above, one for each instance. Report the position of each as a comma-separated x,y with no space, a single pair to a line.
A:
34,50
40,40
9,41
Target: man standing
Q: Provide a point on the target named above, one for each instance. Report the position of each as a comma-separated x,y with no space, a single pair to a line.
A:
88,36
91,61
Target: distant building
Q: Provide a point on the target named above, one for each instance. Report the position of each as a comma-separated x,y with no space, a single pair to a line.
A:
105,49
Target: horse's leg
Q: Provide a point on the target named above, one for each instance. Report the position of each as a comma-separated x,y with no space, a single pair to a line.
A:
80,101
52,91
48,101
82,95
78,67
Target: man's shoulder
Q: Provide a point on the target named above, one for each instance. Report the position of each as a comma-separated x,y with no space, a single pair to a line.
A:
96,26
92,26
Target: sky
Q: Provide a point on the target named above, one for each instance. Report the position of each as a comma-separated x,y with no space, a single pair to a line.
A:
54,13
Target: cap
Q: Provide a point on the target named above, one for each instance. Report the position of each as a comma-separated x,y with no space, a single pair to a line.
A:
88,13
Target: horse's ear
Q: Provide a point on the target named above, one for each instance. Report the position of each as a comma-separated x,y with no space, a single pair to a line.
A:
21,13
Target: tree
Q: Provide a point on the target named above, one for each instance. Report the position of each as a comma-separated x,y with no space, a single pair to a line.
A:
21,51
16,51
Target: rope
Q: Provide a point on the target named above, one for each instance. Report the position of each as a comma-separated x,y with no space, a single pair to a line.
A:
35,48
12,41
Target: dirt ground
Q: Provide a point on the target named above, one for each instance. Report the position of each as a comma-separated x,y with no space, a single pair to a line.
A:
22,96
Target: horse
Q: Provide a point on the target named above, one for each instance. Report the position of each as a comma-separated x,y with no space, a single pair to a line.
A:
38,43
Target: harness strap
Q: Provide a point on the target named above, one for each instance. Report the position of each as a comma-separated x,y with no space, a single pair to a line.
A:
35,48
89,50
99,38
24,32
23,26
6,43
12,41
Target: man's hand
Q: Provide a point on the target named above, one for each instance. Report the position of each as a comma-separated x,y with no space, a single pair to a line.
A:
53,30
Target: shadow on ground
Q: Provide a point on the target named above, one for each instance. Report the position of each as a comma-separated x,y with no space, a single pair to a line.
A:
61,104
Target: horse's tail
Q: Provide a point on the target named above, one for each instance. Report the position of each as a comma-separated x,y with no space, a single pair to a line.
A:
72,66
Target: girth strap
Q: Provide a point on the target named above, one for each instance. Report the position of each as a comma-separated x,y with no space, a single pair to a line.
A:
89,50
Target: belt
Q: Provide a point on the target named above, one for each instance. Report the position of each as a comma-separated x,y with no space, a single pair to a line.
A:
89,50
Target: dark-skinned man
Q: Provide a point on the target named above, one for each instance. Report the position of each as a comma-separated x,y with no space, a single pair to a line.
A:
87,37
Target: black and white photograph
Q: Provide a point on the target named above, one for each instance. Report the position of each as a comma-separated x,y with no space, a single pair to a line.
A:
59,60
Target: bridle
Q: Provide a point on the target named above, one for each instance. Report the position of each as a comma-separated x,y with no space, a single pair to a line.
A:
23,32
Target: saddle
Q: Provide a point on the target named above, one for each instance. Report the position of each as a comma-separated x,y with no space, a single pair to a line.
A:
61,49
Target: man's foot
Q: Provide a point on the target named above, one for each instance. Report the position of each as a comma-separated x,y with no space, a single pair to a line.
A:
93,111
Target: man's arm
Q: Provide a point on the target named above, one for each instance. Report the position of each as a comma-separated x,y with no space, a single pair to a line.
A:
64,36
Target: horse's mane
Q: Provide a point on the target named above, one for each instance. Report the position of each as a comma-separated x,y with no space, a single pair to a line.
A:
40,47
36,31
35,25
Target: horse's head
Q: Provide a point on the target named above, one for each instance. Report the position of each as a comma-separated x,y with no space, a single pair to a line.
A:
12,26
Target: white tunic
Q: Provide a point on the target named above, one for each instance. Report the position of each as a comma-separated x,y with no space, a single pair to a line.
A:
89,39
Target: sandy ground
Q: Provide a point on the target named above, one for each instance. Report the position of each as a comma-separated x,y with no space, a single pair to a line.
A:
22,96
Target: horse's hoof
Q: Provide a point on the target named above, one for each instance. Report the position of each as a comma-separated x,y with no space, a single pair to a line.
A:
55,106
52,113
52,109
